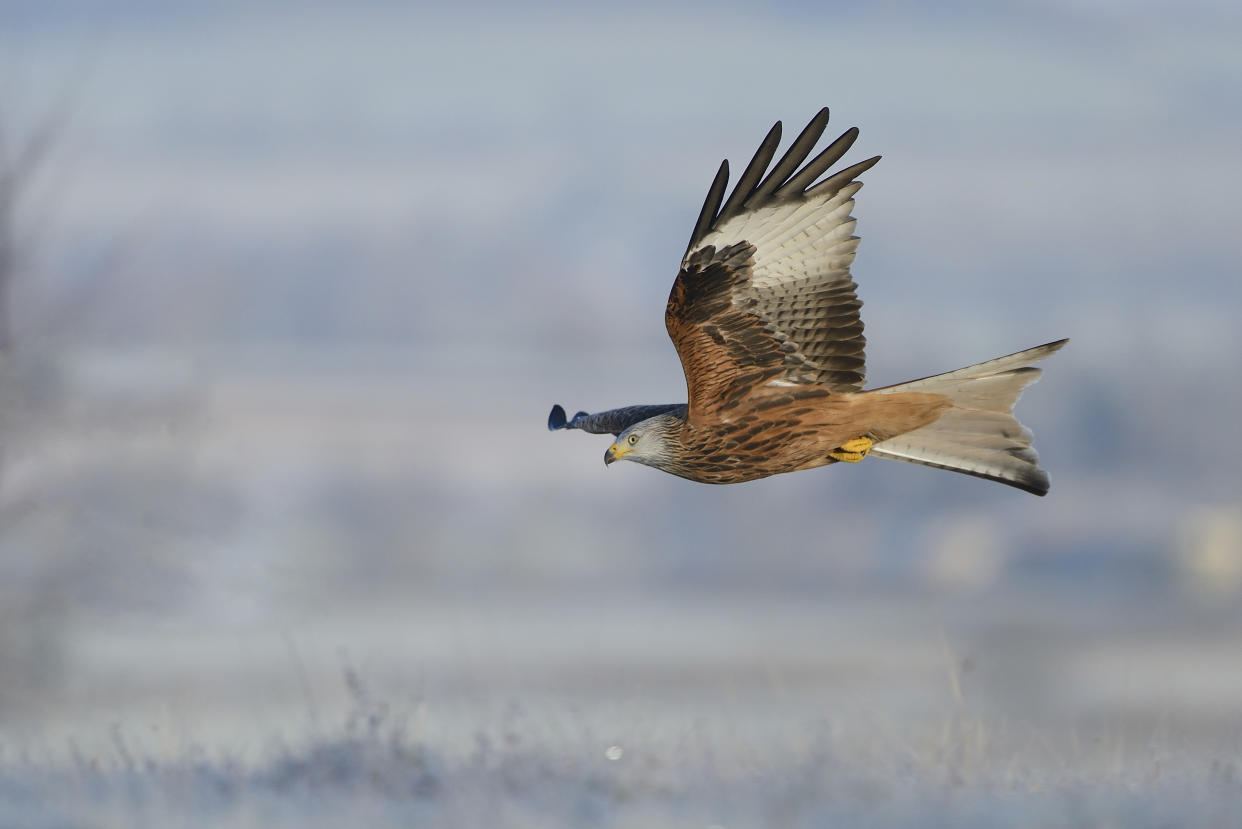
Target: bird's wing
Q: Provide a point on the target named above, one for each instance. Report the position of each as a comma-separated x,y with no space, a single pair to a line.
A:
611,422
765,294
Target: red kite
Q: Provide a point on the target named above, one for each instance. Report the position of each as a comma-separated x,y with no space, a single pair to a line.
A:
765,319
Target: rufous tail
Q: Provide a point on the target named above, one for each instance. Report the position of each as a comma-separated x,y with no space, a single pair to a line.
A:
979,435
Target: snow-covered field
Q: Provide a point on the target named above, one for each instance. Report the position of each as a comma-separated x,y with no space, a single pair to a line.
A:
373,772
621,710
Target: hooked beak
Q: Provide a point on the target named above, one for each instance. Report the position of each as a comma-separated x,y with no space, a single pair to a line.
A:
615,453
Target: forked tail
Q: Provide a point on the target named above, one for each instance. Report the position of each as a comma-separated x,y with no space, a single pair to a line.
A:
979,435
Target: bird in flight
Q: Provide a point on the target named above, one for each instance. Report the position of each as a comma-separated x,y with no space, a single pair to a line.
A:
764,316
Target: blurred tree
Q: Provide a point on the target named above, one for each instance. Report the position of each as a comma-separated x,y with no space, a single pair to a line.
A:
21,163
27,642
96,489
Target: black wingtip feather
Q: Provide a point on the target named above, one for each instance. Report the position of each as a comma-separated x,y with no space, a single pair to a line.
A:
556,419
752,174
707,216
843,177
817,166
794,156
784,180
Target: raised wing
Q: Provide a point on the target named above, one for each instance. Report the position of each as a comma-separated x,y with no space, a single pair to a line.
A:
765,294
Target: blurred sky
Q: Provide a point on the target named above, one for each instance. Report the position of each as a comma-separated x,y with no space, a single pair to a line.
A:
365,246
491,204
322,172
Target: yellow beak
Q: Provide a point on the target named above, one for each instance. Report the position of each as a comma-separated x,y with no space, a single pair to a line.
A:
615,453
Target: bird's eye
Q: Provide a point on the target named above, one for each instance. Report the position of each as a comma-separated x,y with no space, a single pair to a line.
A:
633,439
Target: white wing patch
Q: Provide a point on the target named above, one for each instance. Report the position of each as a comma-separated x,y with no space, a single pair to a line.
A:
803,243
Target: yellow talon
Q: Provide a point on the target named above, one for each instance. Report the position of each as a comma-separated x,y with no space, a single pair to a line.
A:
861,445
852,451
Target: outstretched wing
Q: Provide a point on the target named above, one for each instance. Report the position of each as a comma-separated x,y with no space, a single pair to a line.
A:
611,422
765,293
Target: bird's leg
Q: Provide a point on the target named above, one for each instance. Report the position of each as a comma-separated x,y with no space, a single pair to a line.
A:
852,451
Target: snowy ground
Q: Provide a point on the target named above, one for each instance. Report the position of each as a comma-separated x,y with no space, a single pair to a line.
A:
658,711
964,773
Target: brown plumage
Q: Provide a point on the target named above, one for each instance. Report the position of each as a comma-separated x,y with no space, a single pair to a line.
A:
765,319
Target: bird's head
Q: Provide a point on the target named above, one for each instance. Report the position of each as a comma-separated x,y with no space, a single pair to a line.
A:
651,442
